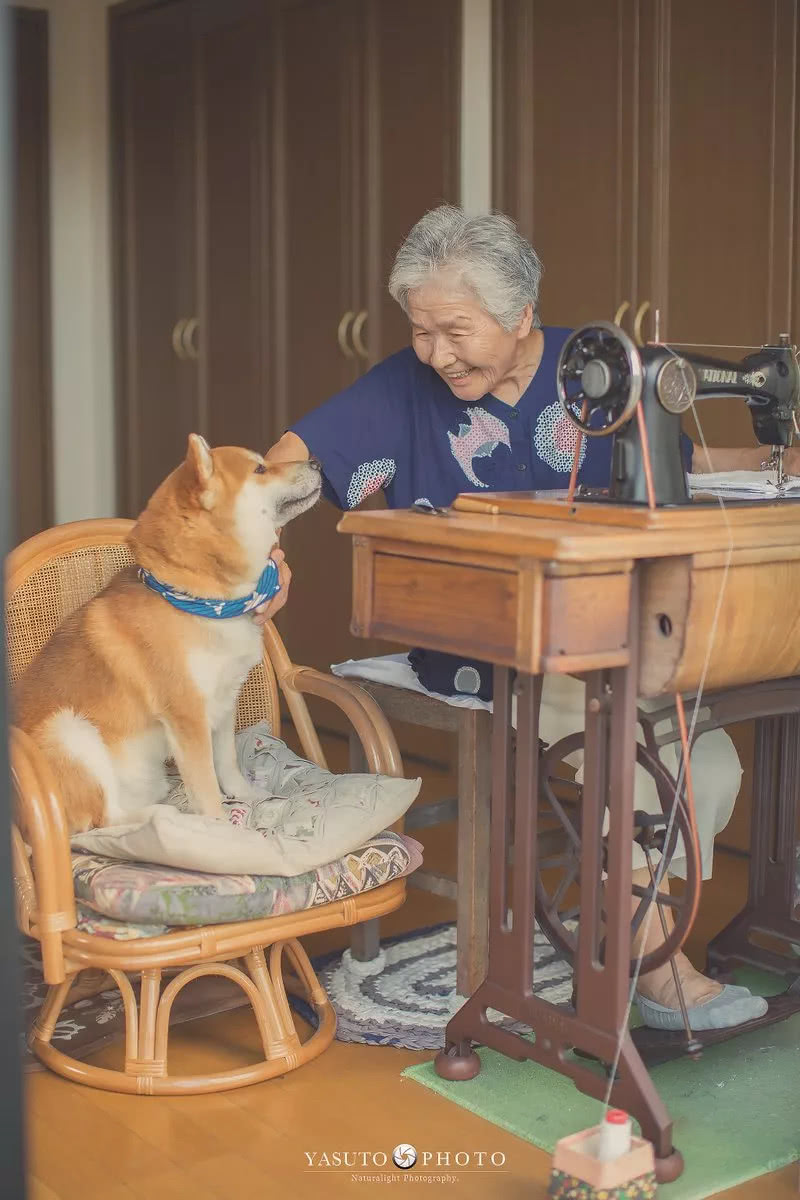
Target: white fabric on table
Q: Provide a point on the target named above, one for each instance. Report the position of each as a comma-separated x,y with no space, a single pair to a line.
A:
744,485
716,770
396,671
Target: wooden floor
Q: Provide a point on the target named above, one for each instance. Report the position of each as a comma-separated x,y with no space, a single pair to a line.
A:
252,1143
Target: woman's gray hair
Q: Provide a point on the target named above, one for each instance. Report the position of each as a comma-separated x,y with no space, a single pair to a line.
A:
490,257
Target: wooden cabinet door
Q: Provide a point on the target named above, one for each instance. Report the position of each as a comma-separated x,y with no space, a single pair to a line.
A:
191,82
369,96
566,156
31,456
412,107
315,196
233,335
155,208
725,207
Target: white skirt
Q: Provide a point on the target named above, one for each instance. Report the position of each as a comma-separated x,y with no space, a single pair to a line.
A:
716,770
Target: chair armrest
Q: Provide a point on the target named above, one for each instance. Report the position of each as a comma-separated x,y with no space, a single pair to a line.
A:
364,714
372,728
39,815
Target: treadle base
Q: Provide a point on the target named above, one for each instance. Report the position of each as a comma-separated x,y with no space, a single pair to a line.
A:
658,1046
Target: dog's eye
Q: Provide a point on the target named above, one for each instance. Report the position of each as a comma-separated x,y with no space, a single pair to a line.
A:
260,469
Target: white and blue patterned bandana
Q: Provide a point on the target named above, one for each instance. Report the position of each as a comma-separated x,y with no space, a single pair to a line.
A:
268,586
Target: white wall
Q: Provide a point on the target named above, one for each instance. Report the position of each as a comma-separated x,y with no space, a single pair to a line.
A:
476,105
83,408
83,397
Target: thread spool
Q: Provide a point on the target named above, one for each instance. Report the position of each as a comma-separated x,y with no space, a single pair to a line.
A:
614,1137
608,1162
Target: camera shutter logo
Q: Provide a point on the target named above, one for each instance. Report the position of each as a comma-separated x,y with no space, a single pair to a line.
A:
404,1156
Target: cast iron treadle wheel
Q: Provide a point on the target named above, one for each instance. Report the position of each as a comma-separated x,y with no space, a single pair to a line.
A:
552,912
457,1061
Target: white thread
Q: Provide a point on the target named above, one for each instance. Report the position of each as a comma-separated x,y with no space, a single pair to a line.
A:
662,866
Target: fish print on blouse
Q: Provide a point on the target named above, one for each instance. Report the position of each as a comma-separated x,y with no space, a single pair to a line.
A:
478,438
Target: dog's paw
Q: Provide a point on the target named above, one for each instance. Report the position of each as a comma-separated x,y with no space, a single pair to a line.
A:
210,806
236,787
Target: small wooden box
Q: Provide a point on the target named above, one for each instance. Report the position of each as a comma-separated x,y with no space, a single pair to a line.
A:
577,1173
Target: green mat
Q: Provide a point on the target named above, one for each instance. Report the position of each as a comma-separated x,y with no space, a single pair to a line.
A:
735,1112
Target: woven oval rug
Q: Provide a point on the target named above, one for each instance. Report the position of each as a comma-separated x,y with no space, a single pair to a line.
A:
406,996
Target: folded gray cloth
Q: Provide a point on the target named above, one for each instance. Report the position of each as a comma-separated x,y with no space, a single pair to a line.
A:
295,818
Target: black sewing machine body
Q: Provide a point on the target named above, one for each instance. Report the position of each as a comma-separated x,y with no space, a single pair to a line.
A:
604,378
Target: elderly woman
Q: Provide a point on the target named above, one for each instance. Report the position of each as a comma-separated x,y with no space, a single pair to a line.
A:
472,405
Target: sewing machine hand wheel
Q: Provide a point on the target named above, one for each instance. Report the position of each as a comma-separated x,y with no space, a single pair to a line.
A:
599,378
558,873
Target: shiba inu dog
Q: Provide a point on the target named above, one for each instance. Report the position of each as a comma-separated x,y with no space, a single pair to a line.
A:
151,667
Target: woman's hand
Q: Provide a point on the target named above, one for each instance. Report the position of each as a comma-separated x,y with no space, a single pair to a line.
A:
273,606
289,448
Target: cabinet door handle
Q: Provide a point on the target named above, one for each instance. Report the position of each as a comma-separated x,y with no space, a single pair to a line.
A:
620,313
341,335
187,337
177,338
637,323
358,341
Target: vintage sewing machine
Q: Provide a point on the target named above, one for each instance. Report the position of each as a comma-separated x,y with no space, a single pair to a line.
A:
608,385
645,596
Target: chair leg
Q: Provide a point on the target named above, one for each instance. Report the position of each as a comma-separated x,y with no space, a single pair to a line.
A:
365,939
273,1014
149,996
44,1025
148,1021
474,807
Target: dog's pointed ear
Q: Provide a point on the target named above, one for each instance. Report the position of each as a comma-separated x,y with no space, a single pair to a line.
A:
199,460
201,465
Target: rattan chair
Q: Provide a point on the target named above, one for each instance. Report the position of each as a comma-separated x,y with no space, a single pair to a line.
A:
47,578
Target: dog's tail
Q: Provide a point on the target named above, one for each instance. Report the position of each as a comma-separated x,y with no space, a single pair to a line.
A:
83,767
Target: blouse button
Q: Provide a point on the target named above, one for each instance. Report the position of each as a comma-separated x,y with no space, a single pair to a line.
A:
521,467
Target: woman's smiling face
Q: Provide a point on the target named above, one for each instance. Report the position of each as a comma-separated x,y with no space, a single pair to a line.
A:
466,346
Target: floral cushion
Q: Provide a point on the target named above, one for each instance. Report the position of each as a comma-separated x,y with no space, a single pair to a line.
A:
121,931
299,817
145,894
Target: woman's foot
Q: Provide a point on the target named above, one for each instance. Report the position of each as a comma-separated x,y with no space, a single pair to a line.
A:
659,985
730,1007
710,1004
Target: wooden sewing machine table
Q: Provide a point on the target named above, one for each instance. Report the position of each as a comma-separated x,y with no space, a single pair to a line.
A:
640,604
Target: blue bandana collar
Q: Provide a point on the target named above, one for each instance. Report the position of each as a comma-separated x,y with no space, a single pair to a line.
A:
268,586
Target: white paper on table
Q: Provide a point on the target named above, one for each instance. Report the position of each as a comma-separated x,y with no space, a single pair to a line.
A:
744,485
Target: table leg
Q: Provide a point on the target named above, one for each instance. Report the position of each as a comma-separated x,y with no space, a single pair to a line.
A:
597,1026
474,801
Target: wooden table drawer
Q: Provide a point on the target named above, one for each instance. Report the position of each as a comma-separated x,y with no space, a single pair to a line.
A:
584,617
437,603
514,614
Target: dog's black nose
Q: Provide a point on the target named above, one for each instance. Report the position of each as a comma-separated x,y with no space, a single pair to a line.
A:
315,463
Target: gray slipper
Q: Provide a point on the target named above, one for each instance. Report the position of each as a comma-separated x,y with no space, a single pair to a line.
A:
733,1006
